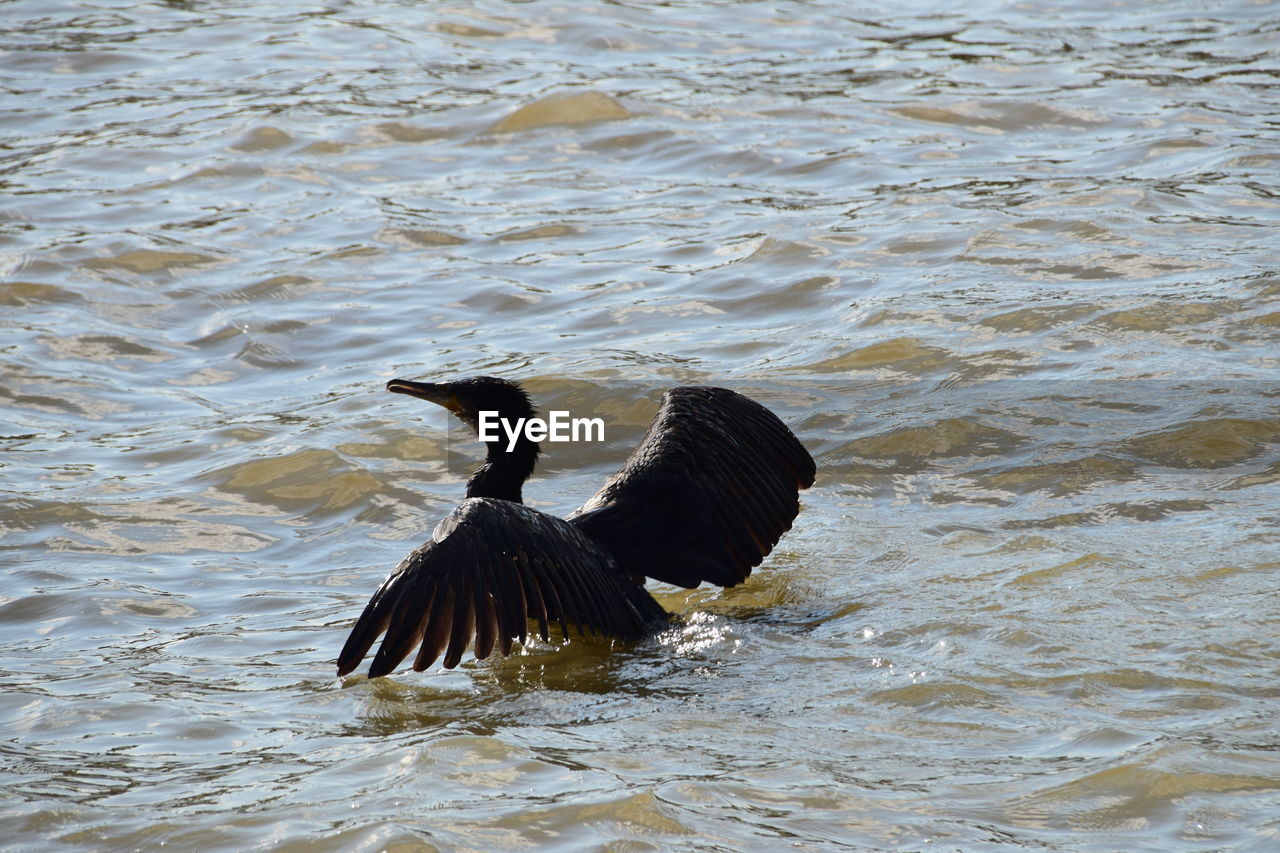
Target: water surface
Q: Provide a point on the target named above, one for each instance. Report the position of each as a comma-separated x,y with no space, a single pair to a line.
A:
1009,271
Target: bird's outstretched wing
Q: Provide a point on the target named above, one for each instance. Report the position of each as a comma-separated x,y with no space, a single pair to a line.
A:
706,495
492,566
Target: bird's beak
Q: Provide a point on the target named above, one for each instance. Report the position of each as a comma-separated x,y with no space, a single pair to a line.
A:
439,393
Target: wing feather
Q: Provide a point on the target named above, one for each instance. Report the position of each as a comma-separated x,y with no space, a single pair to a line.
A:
464,623
535,604
486,617
706,495
439,626
490,568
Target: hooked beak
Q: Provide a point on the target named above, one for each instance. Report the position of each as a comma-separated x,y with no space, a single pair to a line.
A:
439,393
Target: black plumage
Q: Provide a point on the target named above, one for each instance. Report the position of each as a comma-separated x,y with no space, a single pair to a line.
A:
705,496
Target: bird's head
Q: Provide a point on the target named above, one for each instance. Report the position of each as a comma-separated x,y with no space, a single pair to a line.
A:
506,467
467,398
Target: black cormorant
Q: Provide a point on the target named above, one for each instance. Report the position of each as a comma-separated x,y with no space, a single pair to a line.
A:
706,495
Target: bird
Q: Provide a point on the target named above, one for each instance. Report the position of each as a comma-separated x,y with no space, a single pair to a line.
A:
705,496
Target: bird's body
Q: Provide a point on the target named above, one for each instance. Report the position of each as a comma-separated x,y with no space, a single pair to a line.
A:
712,486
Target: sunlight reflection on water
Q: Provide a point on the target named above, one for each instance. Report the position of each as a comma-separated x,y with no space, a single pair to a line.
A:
1008,271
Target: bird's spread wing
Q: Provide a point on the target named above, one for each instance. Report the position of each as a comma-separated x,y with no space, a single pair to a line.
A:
491,567
706,495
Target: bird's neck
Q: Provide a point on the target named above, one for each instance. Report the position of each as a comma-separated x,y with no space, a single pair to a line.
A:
503,473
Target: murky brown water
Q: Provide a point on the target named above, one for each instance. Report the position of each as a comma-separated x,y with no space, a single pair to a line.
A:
1010,271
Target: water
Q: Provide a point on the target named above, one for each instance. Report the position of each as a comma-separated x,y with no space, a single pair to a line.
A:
1009,270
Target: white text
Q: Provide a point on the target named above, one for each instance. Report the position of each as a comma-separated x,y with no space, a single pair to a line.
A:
558,427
